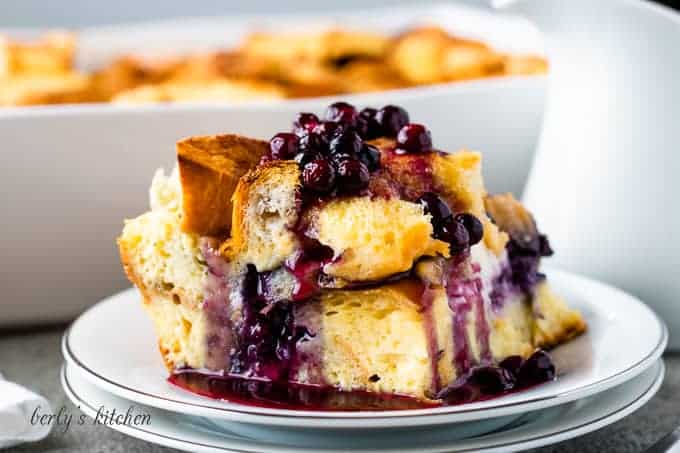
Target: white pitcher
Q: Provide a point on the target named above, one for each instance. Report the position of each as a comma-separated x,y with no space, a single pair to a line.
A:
605,183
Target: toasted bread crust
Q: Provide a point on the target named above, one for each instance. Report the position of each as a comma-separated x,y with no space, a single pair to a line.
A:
150,295
52,54
210,168
273,176
510,215
126,260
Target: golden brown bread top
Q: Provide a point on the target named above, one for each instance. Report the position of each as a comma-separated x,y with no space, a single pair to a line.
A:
52,54
227,90
431,55
263,204
210,168
41,72
510,215
295,65
324,46
127,73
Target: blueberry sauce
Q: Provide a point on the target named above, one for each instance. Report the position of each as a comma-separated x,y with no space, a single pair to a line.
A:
290,395
464,293
271,335
460,295
427,296
249,334
521,274
218,307
478,384
306,267
490,381
482,325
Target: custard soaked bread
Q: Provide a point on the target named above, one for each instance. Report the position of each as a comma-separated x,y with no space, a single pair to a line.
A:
350,255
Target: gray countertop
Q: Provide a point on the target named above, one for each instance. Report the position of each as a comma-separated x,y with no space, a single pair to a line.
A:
33,359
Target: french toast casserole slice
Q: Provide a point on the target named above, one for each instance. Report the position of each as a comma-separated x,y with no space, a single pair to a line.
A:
346,255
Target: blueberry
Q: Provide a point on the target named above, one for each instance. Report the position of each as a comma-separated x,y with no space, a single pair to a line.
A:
283,146
368,125
346,141
303,158
491,380
413,138
537,368
352,176
305,122
337,158
434,206
327,129
318,175
512,363
473,226
454,233
544,248
341,112
370,156
311,142
391,119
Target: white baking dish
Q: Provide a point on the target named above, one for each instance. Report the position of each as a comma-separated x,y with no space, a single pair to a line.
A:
70,174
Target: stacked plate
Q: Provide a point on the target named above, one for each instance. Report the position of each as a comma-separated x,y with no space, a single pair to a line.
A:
112,364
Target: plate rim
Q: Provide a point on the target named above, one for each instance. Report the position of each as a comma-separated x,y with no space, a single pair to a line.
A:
442,415
534,441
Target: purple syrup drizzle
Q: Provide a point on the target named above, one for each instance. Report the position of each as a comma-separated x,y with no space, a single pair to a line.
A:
218,309
427,298
290,395
520,275
464,293
482,325
460,306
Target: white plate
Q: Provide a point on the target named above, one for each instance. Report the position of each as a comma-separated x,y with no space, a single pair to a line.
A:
536,429
114,345
72,173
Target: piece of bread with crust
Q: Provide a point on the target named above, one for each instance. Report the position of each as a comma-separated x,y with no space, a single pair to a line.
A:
430,55
209,169
52,54
41,72
369,241
128,72
68,88
325,46
264,216
370,238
